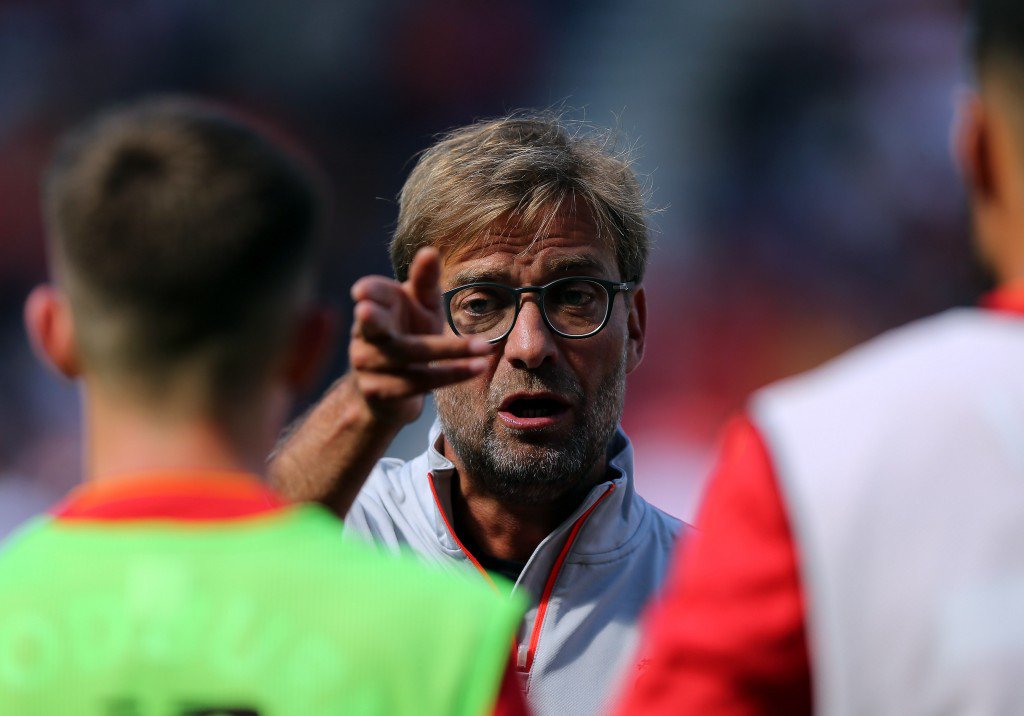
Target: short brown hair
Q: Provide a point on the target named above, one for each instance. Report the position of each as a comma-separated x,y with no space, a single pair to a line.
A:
996,30
525,168
183,236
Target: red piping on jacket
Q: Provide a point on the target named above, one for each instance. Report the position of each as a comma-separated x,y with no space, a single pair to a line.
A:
542,608
451,531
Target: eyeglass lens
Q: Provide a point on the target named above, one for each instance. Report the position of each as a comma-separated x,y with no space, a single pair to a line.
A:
574,307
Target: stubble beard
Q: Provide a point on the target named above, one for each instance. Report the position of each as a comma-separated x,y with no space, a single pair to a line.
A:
531,467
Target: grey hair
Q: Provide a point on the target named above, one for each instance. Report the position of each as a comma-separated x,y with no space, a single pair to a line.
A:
526,169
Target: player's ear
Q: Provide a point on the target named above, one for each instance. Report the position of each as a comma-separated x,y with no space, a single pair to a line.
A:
51,330
312,347
972,147
636,327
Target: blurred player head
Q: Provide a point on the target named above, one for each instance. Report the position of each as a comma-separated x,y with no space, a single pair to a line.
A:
990,135
524,201
182,242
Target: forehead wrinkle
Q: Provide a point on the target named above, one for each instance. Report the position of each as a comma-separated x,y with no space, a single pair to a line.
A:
574,263
498,273
565,245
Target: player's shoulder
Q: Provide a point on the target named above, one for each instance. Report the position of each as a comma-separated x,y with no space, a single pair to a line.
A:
349,562
397,593
18,551
954,341
943,350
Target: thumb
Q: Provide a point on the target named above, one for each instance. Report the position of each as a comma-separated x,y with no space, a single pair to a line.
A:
424,275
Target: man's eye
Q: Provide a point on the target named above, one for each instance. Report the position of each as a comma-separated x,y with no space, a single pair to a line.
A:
575,298
480,303
574,295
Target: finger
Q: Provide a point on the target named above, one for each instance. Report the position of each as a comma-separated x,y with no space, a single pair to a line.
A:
373,323
381,289
424,275
423,349
419,380
402,352
439,375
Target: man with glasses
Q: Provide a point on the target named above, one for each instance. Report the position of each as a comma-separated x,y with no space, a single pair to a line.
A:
529,240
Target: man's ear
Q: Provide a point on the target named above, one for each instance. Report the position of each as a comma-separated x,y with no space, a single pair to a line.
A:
636,328
51,330
972,147
313,346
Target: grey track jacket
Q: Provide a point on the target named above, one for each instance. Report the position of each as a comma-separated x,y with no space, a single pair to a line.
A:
587,582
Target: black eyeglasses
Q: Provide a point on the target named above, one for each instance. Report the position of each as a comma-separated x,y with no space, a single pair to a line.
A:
573,307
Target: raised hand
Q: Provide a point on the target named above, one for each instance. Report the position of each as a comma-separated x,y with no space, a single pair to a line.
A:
398,351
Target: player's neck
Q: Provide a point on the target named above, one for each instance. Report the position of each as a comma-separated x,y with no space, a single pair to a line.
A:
123,439
1010,272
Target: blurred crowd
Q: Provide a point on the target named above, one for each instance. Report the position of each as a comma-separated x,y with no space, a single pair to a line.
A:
797,153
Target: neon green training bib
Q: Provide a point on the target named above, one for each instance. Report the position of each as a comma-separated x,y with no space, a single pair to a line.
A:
272,615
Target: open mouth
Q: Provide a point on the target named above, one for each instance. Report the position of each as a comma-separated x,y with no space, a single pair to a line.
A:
535,407
532,410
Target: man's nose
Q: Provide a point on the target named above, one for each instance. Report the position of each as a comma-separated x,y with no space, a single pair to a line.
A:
531,343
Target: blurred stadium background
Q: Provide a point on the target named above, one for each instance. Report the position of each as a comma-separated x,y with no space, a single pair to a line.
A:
798,151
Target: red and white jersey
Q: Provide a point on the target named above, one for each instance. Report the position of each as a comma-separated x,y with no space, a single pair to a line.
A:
884,491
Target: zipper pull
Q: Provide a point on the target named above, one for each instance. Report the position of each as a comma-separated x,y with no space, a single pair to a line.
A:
522,655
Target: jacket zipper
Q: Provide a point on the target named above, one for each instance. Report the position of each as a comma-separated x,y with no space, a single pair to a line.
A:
524,658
